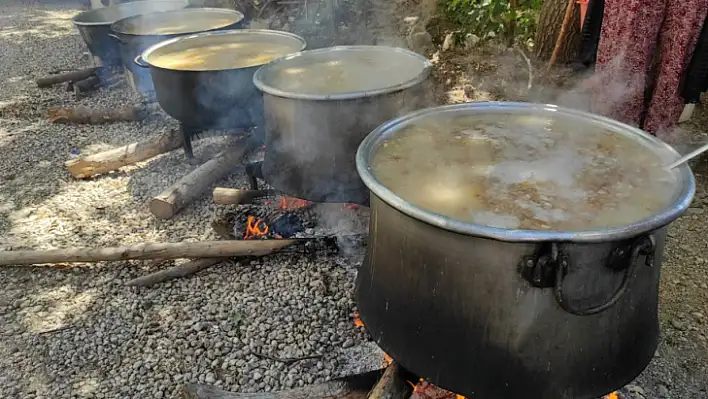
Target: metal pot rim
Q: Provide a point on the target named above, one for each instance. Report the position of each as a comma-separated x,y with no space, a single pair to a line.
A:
239,14
145,54
261,85
75,18
667,215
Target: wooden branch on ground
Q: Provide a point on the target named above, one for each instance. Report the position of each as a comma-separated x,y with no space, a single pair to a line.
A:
529,66
92,165
567,19
233,196
327,390
182,250
183,270
86,115
72,76
192,186
84,86
391,385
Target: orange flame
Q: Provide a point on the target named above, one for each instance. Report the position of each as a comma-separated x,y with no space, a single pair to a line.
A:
356,320
255,228
289,203
613,395
351,206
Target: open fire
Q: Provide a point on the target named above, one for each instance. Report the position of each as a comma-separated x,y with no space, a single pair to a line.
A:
422,389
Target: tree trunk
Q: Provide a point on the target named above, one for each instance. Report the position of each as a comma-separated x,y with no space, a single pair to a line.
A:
549,26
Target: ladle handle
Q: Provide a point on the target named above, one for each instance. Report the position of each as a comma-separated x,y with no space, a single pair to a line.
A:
140,62
698,151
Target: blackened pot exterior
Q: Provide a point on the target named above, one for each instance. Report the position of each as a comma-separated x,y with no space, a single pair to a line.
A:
225,99
131,45
209,99
94,26
310,144
494,313
456,310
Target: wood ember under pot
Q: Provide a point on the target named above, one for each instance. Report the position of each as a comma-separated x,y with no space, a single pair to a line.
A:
205,80
320,104
514,313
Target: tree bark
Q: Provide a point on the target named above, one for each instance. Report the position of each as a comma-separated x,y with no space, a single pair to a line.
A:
550,22
103,162
178,250
326,390
234,196
183,270
192,186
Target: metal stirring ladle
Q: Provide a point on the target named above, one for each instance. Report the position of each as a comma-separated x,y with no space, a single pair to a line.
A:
698,151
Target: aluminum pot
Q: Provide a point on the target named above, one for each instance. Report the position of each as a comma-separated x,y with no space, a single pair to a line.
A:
320,104
213,98
515,314
95,25
135,34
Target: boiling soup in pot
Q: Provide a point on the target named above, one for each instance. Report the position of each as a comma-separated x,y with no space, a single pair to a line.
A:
221,56
525,172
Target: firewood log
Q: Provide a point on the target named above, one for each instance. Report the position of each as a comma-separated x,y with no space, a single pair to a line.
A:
182,250
232,196
72,76
192,186
327,390
92,165
391,385
183,270
85,115
86,85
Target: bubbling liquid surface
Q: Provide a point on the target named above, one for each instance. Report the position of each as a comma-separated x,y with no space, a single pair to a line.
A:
525,172
221,56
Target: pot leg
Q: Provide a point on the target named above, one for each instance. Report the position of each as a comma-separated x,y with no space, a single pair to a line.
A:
187,142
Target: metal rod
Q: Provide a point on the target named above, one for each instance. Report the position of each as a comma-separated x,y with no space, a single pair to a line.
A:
698,151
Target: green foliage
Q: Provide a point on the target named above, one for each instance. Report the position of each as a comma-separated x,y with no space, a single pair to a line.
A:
494,18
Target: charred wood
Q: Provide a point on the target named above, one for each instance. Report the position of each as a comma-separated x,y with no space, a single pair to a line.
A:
71,76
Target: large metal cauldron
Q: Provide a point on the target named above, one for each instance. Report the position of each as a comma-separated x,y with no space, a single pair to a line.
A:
214,98
95,25
137,33
513,314
321,103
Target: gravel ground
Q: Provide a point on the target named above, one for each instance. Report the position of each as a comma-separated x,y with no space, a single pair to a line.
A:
79,331
72,332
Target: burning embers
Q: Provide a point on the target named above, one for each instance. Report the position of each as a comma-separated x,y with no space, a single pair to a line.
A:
268,221
423,389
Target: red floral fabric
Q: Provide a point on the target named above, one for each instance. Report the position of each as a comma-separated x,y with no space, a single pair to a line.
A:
644,49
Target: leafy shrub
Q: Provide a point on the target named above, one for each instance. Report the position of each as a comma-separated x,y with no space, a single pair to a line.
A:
514,21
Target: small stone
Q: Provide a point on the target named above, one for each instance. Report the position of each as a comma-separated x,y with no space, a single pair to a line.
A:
449,42
471,40
210,378
348,343
678,324
663,390
257,376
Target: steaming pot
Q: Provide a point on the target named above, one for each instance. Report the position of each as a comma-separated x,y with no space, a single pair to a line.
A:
514,314
95,25
321,103
137,33
212,97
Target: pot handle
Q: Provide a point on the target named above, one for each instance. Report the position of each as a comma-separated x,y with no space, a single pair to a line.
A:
643,246
139,62
116,38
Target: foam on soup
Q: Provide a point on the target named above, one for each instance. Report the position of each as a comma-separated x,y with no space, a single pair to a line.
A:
525,172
